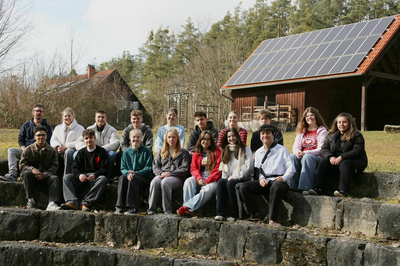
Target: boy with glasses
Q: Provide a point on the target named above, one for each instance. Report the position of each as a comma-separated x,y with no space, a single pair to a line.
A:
25,138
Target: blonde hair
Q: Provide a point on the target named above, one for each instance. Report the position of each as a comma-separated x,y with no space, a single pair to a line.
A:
133,131
165,147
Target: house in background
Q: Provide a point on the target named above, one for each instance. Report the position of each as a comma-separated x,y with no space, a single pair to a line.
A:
106,90
353,68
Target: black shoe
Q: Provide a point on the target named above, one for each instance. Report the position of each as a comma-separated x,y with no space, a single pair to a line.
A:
341,194
254,217
315,192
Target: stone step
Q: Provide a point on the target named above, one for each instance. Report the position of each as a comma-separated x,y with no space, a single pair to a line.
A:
369,217
21,254
239,241
371,185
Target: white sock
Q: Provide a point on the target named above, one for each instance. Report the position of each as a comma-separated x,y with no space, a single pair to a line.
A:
31,200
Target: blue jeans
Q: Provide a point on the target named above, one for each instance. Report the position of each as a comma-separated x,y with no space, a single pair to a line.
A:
305,171
193,201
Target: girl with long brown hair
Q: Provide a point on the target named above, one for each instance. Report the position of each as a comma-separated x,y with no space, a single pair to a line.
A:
343,153
310,136
237,166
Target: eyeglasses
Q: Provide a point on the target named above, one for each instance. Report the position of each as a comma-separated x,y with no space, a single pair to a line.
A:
40,135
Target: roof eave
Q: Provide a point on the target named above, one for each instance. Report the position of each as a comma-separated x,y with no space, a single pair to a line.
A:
289,81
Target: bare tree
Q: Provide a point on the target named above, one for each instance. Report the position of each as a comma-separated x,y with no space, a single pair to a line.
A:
15,24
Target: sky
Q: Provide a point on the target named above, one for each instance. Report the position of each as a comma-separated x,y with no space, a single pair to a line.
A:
106,28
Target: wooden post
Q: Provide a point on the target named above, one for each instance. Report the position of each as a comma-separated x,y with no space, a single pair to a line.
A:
363,105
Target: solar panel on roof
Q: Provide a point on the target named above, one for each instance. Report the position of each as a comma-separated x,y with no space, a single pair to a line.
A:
344,32
321,36
248,62
276,58
303,70
285,57
327,66
318,51
244,76
382,25
271,74
353,63
368,28
253,75
342,48
324,52
300,40
340,64
310,38
262,75
290,42
296,54
332,34
292,72
235,77
267,59
262,46
282,72
257,61
367,44
315,68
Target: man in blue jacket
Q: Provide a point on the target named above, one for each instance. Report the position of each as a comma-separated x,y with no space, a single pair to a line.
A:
25,138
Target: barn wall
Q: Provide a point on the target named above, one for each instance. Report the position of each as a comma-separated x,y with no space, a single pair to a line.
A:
285,94
333,96
382,106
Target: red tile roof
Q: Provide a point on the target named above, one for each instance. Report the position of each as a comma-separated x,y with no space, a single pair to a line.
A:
361,70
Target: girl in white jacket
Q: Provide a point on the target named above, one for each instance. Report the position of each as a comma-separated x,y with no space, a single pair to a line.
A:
64,137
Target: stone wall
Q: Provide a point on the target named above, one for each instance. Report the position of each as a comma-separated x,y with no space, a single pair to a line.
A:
232,240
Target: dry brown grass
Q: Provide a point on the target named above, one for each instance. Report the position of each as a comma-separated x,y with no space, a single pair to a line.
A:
383,149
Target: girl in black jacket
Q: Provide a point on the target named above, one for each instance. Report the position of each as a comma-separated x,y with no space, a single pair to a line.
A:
343,152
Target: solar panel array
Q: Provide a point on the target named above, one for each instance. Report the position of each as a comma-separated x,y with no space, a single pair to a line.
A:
323,52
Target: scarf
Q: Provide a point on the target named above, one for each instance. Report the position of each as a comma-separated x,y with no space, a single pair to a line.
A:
232,148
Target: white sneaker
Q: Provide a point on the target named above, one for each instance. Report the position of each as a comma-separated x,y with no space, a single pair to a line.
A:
52,206
219,218
230,219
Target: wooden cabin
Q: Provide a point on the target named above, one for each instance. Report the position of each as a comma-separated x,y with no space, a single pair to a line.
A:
352,68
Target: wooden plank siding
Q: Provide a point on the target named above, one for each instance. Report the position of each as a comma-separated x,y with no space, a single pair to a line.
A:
330,97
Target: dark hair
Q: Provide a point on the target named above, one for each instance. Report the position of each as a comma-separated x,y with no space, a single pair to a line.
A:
200,113
88,132
38,105
225,147
101,111
211,158
349,134
303,123
39,128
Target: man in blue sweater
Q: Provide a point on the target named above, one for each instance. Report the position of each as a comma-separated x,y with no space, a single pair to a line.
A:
25,138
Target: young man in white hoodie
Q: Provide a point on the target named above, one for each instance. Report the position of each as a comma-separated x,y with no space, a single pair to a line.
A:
106,137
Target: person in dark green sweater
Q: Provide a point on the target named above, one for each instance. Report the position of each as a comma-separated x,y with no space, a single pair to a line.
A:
136,174
90,169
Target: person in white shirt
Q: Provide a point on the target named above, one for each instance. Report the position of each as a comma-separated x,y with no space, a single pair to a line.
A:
275,170
63,139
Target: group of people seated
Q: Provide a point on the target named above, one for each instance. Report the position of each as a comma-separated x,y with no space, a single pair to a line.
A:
213,164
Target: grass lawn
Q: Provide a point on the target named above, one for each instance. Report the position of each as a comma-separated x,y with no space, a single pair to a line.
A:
383,149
